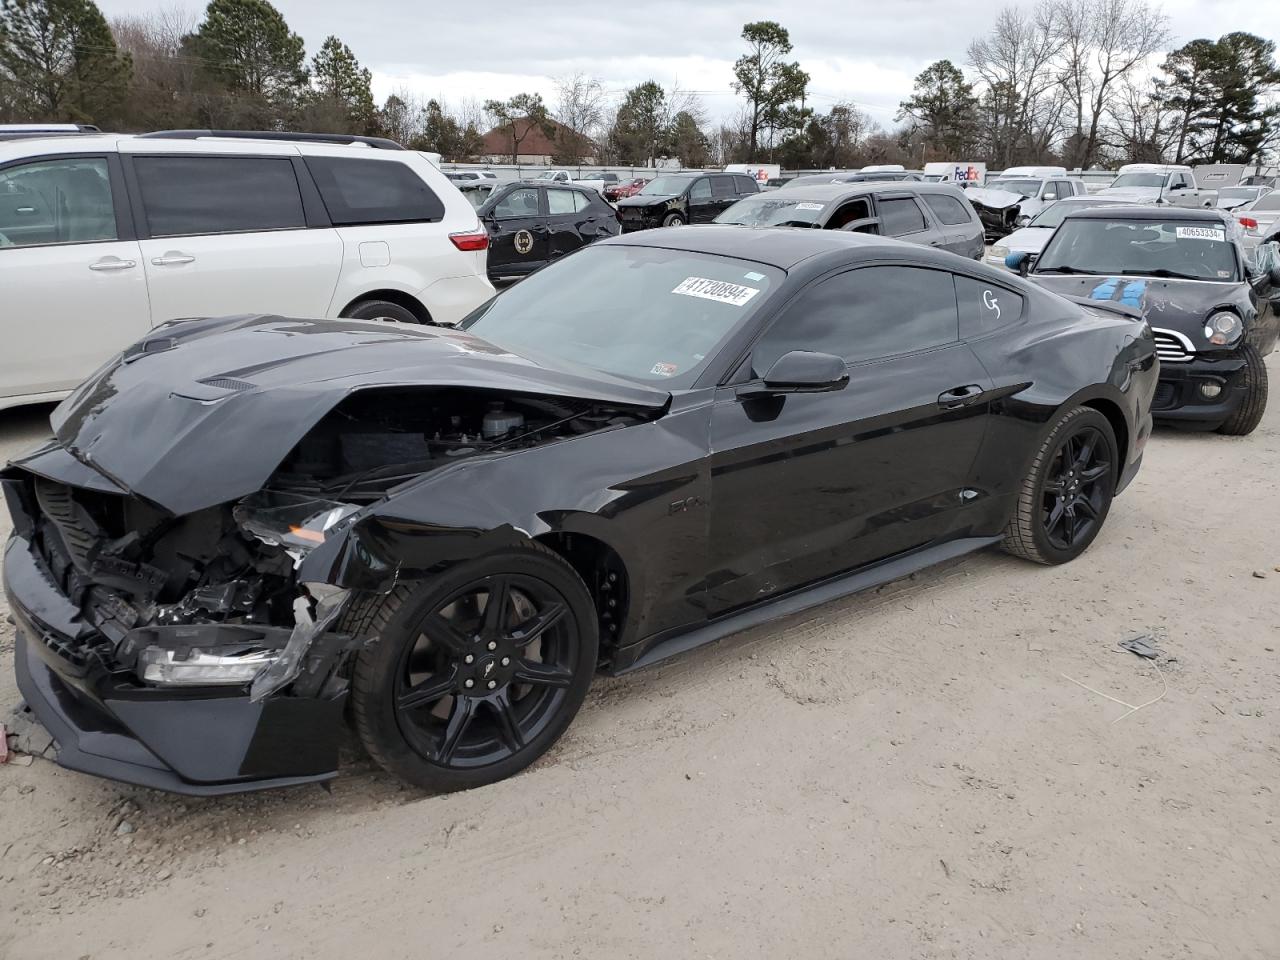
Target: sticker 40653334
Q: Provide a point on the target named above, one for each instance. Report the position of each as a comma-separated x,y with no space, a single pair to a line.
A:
720,291
1217,234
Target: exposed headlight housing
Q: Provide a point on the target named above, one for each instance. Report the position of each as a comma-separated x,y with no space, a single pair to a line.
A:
297,523
1223,328
196,667
998,253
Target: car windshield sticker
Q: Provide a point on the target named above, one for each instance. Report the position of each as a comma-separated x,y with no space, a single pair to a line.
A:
756,277
664,369
808,206
1216,234
1224,274
720,291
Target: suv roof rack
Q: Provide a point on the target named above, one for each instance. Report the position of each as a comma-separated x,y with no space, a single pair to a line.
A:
378,143
48,128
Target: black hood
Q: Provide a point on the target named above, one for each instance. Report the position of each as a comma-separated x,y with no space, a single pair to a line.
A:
202,412
1181,305
649,200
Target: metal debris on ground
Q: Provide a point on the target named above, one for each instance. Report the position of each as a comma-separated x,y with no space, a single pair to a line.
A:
4,744
1143,644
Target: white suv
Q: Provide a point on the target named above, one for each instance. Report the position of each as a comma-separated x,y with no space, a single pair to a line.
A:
104,237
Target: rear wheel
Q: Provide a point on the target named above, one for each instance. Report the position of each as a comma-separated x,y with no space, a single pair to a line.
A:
1067,494
673,220
470,677
1253,404
380,310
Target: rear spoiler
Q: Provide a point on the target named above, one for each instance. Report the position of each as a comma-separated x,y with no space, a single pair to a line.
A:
1111,306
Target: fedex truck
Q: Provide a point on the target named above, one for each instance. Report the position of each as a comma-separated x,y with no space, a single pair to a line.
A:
961,174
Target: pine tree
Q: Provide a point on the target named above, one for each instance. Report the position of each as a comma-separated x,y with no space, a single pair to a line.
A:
246,49
344,86
59,61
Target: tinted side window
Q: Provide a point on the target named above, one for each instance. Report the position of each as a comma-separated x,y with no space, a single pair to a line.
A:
701,190
56,201
948,210
517,204
900,217
581,202
985,307
866,314
746,184
560,202
373,191
183,196
722,187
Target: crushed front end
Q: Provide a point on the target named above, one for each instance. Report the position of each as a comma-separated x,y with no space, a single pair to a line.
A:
174,652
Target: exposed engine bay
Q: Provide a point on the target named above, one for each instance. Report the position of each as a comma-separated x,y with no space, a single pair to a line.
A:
128,565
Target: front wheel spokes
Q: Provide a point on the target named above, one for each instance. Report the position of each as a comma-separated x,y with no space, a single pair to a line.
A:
495,606
460,717
1095,473
542,674
504,713
429,690
542,621
1084,505
439,630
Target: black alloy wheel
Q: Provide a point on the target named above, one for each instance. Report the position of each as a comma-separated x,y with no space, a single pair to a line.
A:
477,672
1076,488
1067,493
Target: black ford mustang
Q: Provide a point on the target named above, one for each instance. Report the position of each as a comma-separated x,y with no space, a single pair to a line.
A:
245,523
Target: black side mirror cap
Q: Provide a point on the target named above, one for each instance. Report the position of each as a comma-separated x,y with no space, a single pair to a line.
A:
800,371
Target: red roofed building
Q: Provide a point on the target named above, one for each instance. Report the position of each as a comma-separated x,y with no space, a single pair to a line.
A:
563,146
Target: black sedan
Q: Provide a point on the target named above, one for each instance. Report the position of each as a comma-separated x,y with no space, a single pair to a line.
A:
248,528
1214,314
531,224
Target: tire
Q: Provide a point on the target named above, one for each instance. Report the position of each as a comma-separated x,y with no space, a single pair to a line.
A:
505,722
380,310
673,220
1253,404
1053,527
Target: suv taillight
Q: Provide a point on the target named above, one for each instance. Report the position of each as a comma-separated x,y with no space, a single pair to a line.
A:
471,240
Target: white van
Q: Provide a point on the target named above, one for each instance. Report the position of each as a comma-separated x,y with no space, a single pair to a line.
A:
103,237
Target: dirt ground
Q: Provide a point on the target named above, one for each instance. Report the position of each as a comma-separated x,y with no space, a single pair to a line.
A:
904,774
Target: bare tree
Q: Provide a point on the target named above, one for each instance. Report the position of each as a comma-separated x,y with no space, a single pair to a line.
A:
1016,63
1140,126
164,84
1103,43
580,107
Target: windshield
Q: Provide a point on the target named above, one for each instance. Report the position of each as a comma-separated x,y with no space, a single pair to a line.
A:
1155,180
1238,193
665,187
771,210
638,312
477,196
549,175
1183,249
1025,188
1054,214
1270,202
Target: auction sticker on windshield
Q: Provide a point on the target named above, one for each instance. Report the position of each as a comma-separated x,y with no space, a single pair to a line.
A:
808,206
720,291
1201,233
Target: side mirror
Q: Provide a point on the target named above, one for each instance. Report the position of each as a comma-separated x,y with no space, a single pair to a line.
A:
800,371
1020,262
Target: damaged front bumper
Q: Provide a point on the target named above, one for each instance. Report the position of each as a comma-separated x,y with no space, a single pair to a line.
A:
202,740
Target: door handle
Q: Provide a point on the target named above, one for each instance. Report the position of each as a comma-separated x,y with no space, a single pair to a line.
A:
172,259
113,263
959,396
25,211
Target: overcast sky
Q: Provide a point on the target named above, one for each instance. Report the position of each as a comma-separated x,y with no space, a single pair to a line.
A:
861,51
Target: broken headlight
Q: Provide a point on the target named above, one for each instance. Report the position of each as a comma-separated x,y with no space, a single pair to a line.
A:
297,523
1223,328
201,667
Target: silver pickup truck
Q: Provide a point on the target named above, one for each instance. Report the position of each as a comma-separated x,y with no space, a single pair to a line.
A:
1159,183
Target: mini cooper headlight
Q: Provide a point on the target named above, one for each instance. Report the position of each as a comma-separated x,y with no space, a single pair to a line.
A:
998,253
1223,328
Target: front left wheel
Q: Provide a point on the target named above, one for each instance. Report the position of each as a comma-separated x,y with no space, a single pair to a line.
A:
471,676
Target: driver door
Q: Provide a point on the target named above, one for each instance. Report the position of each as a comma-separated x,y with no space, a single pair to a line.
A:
518,238
808,485
703,207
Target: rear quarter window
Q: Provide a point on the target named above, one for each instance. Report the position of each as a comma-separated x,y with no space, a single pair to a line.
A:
357,191
985,307
949,210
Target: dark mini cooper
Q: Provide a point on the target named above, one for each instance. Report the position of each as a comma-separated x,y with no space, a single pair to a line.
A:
1215,315
531,224
252,528
674,199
